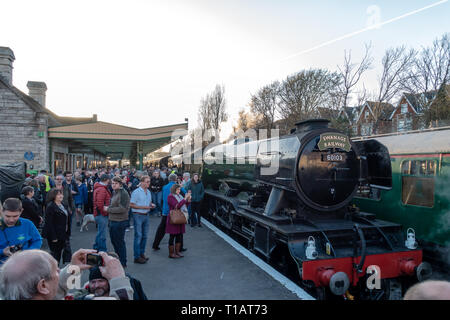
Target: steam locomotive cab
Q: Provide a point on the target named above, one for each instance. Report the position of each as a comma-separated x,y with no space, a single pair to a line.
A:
290,202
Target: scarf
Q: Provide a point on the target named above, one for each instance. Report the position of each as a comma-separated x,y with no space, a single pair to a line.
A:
179,199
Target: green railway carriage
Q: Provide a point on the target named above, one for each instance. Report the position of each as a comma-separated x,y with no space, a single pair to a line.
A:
420,195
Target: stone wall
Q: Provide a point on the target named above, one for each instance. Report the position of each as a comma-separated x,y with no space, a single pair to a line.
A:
19,127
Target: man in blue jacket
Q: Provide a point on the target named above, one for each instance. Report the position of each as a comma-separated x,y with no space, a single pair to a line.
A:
16,233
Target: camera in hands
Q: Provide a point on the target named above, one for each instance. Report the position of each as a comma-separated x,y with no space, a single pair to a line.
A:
16,248
94,259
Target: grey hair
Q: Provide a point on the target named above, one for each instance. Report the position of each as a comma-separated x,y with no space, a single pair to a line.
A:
173,177
21,273
139,174
186,174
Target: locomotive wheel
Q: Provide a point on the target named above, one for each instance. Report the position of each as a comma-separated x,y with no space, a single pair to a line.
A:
393,289
250,244
223,215
321,293
212,212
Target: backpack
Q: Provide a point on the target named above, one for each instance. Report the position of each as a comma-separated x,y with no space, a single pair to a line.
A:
138,293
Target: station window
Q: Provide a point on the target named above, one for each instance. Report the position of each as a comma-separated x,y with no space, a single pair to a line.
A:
418,182
58,162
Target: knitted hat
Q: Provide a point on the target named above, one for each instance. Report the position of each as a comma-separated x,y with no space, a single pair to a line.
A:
95,273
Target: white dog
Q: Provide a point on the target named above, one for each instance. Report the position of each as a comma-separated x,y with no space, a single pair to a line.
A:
88,218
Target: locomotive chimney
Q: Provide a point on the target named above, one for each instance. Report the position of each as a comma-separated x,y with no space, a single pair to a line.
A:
311,124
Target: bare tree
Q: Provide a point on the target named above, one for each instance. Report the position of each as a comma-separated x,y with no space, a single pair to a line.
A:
243,121
303,92
363,96
351,73
438,112
430,72
204,113
396,67
265,104
431,68
212,111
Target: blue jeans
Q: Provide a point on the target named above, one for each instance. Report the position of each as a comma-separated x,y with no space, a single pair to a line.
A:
100,239
141,225
192,216
117,235
157,200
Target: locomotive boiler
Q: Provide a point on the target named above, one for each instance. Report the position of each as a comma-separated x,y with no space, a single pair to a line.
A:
288,200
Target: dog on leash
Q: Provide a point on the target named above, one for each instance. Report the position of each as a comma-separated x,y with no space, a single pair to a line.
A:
88,218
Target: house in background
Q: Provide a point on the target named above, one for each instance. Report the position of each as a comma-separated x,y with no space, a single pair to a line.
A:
413,112
370,118
409,111
374,118
350,114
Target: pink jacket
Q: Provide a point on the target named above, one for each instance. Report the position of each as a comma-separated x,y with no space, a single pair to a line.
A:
174,204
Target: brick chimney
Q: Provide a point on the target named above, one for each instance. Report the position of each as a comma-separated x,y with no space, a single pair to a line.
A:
37,90
6,64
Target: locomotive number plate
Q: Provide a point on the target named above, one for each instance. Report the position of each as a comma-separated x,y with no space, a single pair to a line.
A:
333,157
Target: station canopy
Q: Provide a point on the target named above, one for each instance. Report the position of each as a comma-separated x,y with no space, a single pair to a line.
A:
114,141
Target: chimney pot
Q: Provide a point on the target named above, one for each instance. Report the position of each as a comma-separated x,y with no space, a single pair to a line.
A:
6,64
36,90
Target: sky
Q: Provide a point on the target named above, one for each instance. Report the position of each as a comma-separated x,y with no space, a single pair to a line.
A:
147,63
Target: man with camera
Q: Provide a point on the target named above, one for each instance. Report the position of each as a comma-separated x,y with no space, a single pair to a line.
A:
107,279
99,286
34,275
16,233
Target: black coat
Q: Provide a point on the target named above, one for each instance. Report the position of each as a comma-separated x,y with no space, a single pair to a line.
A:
39,199
56,224
156,184
31,211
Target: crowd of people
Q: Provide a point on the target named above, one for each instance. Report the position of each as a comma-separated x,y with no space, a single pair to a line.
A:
117,199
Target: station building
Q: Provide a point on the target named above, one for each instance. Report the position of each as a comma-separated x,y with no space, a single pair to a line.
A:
31,133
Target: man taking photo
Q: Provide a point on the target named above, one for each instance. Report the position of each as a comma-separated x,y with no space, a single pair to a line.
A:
34,275
16,233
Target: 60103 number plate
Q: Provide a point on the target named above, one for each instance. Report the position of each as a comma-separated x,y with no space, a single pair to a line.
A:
333,157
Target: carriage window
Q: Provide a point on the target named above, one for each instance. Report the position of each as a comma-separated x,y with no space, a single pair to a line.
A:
419,167
418,182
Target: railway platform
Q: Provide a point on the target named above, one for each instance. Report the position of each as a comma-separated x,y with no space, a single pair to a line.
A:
213,268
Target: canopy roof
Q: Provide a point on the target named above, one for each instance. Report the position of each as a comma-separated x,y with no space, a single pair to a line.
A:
108,138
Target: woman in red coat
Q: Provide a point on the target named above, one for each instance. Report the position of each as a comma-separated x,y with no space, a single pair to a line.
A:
176,201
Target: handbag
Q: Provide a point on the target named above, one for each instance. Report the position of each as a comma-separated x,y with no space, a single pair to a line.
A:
176,216
186,215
